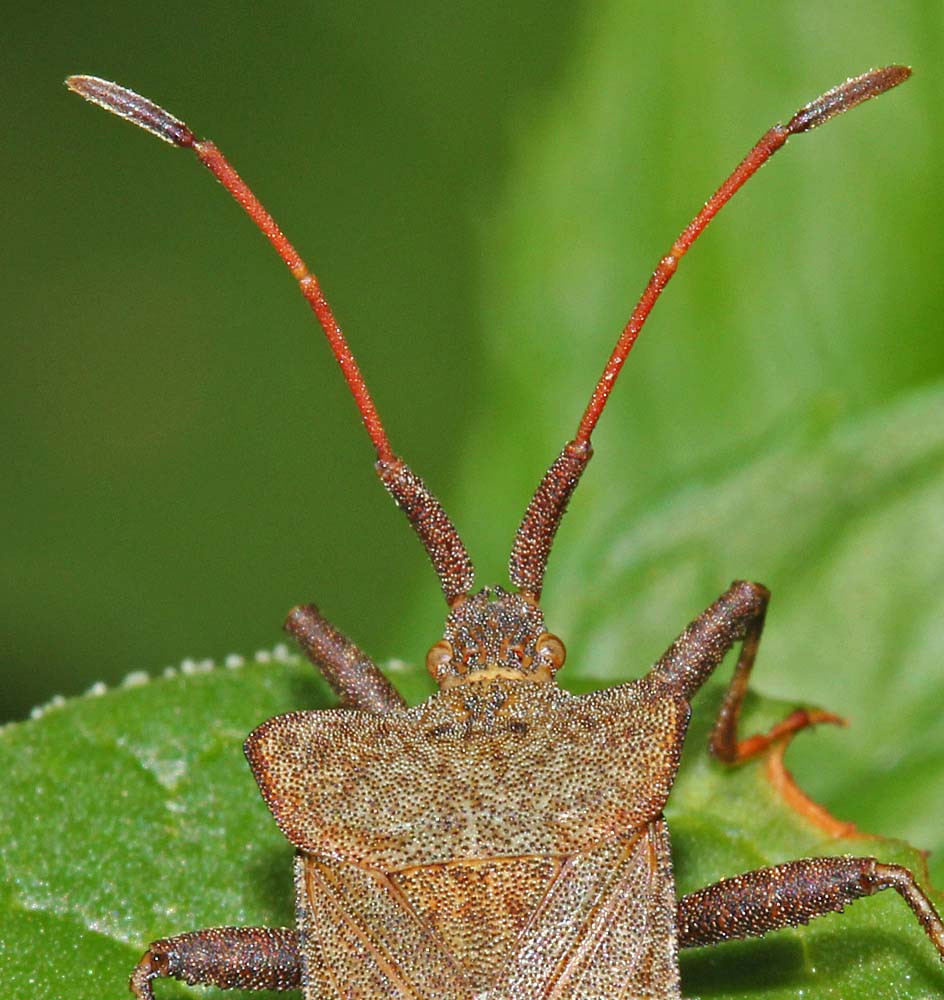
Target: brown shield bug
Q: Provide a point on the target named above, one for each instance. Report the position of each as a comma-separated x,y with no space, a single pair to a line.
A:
503,840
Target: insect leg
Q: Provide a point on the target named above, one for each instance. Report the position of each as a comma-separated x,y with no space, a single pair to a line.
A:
737,616
353,675
794,893
249,958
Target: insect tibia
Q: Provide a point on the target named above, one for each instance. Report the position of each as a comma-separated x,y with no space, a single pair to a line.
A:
127,104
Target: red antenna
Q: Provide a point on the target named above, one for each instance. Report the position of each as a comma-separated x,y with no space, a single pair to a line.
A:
536,533
429,520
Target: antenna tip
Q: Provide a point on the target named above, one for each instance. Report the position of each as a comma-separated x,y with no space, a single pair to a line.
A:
127,104
847,95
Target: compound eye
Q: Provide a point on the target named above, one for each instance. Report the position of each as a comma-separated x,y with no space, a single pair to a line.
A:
438,659
549,648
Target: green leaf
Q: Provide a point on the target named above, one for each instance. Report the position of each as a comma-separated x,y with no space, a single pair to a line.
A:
132,815
728,821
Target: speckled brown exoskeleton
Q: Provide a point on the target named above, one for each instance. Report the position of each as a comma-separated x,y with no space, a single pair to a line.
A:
504,840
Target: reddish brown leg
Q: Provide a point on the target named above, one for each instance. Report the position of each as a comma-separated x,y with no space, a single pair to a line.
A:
794,893
355,677
737,616
249,958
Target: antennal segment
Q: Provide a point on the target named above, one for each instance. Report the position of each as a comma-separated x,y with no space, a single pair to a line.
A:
542,518
847,95
436,531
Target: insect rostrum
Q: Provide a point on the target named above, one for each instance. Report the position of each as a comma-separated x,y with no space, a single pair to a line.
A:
527,855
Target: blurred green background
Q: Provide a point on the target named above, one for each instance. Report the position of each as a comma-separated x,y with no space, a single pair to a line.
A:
483,190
